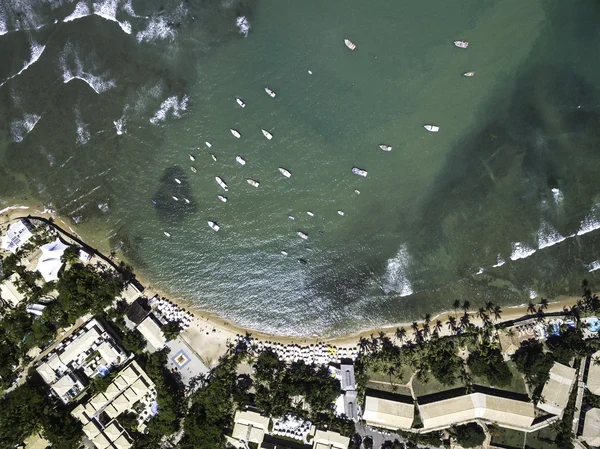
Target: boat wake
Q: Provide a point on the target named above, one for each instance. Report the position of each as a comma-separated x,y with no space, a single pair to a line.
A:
395,278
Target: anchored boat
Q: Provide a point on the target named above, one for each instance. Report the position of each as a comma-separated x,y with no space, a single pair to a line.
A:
270,92
267,134
222,198
432,128
302,235
214,226
235,133
240,102
469,74
385,147
222,183
349,44
284,172
461,44
252,182
359,172
240,160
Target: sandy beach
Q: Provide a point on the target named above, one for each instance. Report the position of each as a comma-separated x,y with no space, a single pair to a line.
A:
209,335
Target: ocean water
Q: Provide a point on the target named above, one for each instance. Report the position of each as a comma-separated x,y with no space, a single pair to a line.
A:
102,101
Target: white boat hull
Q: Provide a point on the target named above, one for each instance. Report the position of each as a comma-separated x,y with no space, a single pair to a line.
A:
432,128
253,183
284,172
270,93
236,134
214,226
461,44
240,160
240,102
222,184
267,134
349,44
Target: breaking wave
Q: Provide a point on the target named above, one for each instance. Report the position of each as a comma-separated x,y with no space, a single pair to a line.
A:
595,265
107,10
243,25
172,104
161,27
548,236
20,128
521,251
500,261
36,51
395,278
72,68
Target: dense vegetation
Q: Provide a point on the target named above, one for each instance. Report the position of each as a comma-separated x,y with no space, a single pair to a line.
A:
487,361
469,435
27,409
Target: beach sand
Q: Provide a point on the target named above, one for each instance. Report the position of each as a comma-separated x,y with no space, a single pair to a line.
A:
209,335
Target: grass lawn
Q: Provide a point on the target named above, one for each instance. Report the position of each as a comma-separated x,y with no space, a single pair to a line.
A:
508,438
432,386
387,387
401,378
517,385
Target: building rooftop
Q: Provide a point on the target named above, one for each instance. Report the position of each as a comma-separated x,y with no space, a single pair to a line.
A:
347,373
555,394
591,427
593,376
17,235
505,412
330,440
249,426
50,263
153,334
388,412
9,292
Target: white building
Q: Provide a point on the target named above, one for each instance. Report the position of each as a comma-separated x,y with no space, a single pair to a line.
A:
50,261
151,331
9,293
17,235
90,350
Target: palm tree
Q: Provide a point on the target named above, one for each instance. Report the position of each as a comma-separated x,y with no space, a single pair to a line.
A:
415,327
401,334
544,304
452,324
466,306
497,313
465,320
456,306
531,308
481,313
489,306
438,327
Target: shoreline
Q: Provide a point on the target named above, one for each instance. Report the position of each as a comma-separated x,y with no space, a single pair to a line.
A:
210,334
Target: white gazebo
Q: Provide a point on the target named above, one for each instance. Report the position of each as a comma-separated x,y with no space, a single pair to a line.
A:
50,261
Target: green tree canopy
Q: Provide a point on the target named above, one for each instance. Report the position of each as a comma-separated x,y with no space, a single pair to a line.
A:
534,363
469,435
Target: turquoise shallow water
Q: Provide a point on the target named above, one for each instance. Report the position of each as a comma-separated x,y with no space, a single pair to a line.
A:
489,208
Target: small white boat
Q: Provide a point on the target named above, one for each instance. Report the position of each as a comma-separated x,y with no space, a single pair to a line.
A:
166,233
270,92
357,191
240,160
291,217
349,44
284,253
240,102
312,214
214,226
192,157
177,181
186,201
341,212
267,134
222,183
461,44
208,144
252,182
175,198
432,128
359,172
235,133
214,158
469,74
303,235
310,72
222,198
385,147
193,169
285,172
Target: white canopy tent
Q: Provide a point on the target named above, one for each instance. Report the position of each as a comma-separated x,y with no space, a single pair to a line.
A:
50,261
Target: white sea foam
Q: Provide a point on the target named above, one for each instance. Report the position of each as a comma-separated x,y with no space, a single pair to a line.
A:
36,51
83,132
395,278
106,9
6,209
72,68
480,271
81,10
243,25
558,196
521,251
499,263
20,128
548,236
589,224
172,104
157,28
595,265
120,125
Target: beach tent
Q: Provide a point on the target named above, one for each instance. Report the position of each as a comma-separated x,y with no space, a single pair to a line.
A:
50,261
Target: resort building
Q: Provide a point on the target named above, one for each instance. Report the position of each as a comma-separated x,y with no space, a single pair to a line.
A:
9,295
151,330
591,427
17,235
505,412
329,440
89,352
388,411
555,394
50,263
131,390
249,427
593,375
